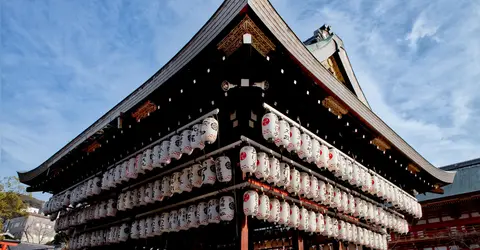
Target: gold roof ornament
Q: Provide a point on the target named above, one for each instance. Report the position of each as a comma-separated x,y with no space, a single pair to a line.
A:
334,106
235,39
381,144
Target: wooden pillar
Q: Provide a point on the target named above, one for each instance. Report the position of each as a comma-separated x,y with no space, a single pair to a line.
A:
298,241
244,234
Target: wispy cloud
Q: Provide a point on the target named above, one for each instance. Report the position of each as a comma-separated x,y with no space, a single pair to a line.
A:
65,63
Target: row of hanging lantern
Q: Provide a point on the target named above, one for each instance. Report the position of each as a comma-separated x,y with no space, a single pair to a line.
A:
204,213
195,176
157,157
112,235
305,185
206,173
82,215
313,151
290,215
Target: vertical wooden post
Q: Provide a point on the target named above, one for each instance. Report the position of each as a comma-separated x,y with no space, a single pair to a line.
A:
244,234
300,242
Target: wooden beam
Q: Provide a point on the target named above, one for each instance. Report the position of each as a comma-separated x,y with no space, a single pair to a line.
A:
244,234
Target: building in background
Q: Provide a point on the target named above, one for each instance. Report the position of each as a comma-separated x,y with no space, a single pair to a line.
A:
34,227
452,220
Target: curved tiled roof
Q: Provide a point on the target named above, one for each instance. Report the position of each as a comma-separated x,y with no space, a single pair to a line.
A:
466,180
280,30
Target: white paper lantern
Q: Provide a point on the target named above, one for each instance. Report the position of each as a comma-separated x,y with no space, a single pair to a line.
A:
185,183
315,152
313,193
156,163
294,216
284,175
328,226
284,134
90,187
138,164
263,207
284,213
147,160
110,183
142,229
274,172
173,221
263,166
175,151
209,130
209,175
116,179
131,173
337,199
197,141
202,213
344,202
164,222
320,224
294,185
312,222
342,229
124,233
166,190
274,214
304,219
156,225
322,193
149,193
128,200
149,226
304,184
342,166
66,198
329,194
270,127
213,212
182,218
333,160
250,203
227,208
141,196
103,209
322,162
175,183
186,142
197,175
295,138
248,159
121,202
223,167
351,204
165,152
192,216
305,151
157,191
335,228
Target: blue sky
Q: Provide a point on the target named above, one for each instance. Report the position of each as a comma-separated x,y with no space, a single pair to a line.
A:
63,64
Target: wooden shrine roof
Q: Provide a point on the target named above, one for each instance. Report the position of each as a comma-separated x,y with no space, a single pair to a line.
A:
298,52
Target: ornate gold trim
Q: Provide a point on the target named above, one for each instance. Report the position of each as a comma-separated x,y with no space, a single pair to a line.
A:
234,39
144,110
414,169
334,106
381,144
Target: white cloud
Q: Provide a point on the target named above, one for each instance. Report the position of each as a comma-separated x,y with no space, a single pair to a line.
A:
422,28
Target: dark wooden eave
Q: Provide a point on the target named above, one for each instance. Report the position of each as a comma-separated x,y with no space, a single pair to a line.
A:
275,24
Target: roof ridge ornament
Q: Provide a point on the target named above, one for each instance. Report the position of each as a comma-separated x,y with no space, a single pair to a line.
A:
323,32
235,39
